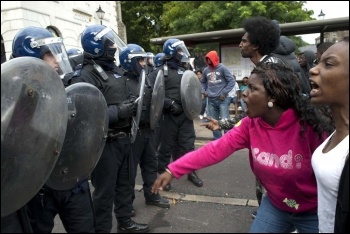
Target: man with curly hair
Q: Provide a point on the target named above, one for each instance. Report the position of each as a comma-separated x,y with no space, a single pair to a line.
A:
260,39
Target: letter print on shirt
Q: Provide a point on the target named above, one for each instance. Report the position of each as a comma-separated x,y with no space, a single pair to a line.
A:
286,161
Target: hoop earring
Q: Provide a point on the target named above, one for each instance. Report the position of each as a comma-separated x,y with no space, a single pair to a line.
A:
270,104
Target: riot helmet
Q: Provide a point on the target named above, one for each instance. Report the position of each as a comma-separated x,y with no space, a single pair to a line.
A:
150,61
101,41
174,48
73,51
36,42
158,59
76,57
130,57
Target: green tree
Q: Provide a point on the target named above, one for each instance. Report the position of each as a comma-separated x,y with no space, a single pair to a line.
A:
184,17
145,20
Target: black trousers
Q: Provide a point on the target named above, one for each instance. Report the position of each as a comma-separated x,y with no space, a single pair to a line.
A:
74,208
177,138
144,153
112,180
16,222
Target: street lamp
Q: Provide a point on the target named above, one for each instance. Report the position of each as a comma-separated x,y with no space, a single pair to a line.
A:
100,13
321,15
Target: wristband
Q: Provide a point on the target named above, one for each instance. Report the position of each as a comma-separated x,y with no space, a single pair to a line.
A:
167,170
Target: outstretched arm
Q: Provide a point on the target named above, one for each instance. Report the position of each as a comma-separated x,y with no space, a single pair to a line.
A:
164,179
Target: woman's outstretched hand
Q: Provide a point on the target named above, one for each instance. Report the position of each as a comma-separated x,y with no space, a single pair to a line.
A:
212,124
161,182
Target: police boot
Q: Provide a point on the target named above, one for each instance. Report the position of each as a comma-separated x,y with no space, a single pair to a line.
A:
130,226
195,179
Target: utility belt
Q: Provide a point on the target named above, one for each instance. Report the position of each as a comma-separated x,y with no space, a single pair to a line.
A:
118,133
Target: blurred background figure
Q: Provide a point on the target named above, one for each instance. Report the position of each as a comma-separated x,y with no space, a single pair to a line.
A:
321,48
203,112
306,60
242,88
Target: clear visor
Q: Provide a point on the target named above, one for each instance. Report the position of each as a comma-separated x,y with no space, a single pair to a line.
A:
57,49
139,55
110,35
182,49
150,58
113,41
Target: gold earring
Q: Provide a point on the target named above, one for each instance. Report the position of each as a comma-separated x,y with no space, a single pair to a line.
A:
270,104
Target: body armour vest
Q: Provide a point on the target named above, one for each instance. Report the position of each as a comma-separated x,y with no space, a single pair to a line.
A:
172,83
114,89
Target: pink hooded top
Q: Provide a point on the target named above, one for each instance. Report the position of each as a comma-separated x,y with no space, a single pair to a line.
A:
279,157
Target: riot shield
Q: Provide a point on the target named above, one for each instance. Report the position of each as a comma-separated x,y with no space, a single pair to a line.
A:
157,101
33,126
191,96
85,136
136,119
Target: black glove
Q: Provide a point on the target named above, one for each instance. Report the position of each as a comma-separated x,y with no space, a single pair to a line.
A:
175,108
127,110
167,103
131,99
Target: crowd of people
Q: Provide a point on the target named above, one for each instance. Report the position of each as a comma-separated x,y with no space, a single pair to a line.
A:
302,183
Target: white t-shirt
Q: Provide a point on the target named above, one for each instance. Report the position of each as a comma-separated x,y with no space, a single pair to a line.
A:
328,168
233,92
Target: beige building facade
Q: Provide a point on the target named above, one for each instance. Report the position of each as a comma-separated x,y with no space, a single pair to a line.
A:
65,19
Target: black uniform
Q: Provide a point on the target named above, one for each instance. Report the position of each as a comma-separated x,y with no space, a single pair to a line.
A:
113,173
16,222
74,206
177,131
144,147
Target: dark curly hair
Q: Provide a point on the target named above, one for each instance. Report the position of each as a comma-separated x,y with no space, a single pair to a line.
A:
262,32
281,83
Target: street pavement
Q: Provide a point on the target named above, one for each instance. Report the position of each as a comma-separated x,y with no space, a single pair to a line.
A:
224,204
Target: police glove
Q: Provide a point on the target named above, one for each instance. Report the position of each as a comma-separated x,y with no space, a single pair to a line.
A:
131,99
175,108
167,103
127,110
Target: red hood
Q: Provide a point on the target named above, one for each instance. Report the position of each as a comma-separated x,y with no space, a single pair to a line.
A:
214,58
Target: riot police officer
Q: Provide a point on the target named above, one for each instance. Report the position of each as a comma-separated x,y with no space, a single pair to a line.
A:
48,202
113,175
149,63
133,60
177,135
158,60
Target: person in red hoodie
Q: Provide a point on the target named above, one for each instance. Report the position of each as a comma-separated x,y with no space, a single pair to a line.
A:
217,81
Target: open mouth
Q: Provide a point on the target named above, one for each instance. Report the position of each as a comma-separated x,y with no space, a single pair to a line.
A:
314,85
314,89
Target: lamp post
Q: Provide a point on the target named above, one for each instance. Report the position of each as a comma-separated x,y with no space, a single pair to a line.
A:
321,15
100,13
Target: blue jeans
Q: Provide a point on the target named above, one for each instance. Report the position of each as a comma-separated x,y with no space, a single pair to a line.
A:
218,108
243,105
270,219
204,105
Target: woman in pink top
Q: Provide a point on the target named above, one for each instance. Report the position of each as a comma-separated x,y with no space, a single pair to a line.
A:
281,131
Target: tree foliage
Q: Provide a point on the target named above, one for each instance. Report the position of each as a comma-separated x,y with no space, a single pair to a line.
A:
142,20
145,20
